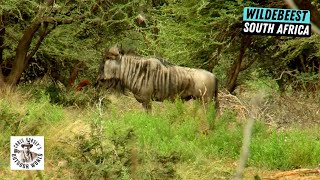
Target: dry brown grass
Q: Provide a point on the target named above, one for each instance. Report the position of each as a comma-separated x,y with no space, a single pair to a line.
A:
13,97
232,102
276,110
285,110
214,169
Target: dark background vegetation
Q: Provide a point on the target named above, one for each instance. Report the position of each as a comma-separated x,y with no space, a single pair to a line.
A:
56,38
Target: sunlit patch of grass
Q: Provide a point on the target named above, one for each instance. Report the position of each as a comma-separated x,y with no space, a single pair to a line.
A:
295,148
213,168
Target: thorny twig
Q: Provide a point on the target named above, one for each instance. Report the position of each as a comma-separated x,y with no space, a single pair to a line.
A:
256,101
100,106
202,98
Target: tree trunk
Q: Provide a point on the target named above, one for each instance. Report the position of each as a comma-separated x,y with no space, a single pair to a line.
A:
23,53
319,78
2,46
20,62
236,67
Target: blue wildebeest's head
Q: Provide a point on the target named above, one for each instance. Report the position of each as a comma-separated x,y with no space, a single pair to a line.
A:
109,70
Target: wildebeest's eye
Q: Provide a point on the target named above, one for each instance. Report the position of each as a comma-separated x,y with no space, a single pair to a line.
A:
111,56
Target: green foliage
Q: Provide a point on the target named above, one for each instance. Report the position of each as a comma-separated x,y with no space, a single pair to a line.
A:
21,118
211,115
221,143
200,34
180,135
9,119
58,94
96,158
270,148
115,153
82,99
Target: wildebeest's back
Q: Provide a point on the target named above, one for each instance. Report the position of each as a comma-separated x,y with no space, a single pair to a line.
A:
173,81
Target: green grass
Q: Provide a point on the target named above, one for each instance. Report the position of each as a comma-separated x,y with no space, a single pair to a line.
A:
270,148
295,148
176,137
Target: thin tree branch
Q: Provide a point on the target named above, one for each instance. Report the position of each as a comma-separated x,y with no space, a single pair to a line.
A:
302,63
41,38
3,46
43,34
285,72
245,149
59,21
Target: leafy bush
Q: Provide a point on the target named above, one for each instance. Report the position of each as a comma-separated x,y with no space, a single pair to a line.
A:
113,154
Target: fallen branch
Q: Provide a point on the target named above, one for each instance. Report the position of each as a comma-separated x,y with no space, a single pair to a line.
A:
296,172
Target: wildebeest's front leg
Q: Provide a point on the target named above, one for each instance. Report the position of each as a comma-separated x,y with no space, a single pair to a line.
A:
147,106
145,102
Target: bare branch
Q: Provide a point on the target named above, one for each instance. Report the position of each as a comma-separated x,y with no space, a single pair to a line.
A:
245,149
285,72
59,21
4,46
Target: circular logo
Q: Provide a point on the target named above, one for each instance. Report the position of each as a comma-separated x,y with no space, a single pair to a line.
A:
27,152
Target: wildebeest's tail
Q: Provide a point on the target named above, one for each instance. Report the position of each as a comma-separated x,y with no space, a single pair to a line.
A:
216,89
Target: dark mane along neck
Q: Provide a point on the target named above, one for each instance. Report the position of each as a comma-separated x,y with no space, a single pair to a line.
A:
131,56
165,62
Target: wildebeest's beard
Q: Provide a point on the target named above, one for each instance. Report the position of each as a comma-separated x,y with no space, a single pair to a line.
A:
111,83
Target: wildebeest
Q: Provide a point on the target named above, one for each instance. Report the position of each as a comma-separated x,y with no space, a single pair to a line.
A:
156,79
